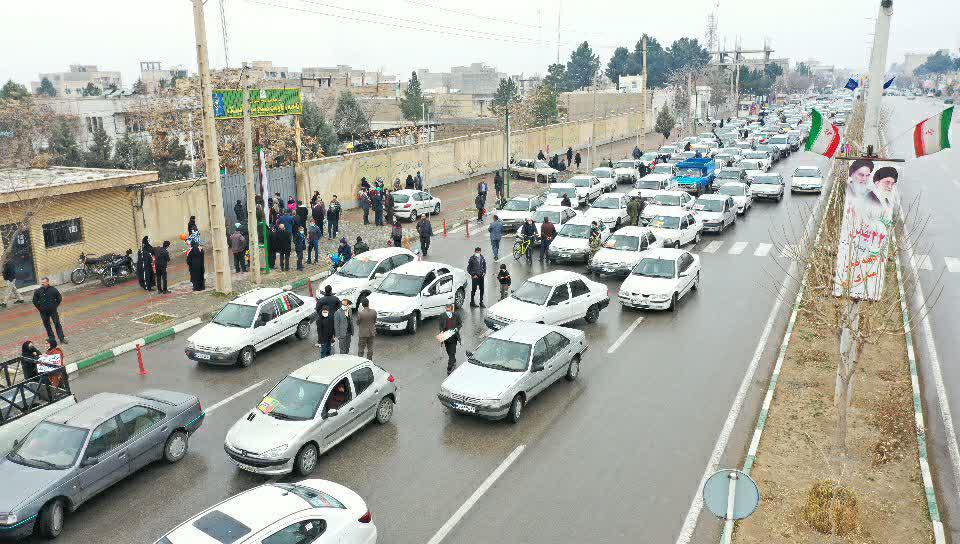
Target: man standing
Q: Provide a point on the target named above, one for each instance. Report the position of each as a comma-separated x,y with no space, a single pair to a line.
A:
418,181
366,329
569,156
496,234
481,203
10,276
365,206
388,205
633,210
450,321
314,233
286,219
161,262
425,230
238,246
498,187
283,246
547,233
299,244
325,333
376,200
477,268
238,211
326,302
576,160
333,217
482,188
343,326
47,300
319,214
360,246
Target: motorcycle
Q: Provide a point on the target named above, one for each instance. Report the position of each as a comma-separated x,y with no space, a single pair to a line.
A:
110,267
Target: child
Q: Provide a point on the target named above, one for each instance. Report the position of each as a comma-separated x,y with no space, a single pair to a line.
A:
503,276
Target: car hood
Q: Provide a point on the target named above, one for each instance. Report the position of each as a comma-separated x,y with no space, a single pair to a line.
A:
765,188
616,256
340,283
739,199
480,382
708,216
566,243
624,172
261,432
657,209
669,234
215,335
582,192
648,286
807,181
382,302
22,483
655,177
511,215
555,201
516,310
608,214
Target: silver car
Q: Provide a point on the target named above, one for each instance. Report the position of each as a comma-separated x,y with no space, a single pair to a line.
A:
75,454
510,367
310,411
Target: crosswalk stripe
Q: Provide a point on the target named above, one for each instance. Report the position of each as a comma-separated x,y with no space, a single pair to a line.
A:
712,247
762,250
737,248
921,261
953,264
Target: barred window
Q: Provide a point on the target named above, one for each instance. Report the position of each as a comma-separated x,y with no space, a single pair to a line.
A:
62,233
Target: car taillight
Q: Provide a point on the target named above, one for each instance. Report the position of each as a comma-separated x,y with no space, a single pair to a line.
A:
405,206
391,379
366,518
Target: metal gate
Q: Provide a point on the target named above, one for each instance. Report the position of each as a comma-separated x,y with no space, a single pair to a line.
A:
21,254
283,180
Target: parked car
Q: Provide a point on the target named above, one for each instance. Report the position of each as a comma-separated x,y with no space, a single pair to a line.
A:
310,411
510,367
807,179
556,192
249,324
79,452
536,170
555,298
716,212
664,201
355,280
610,209
740,192
411,203
769,186
650,184
416,291
588,187
676,227
660,280
572,243
516,210
626,171
309,511
622,250
730,173
558,215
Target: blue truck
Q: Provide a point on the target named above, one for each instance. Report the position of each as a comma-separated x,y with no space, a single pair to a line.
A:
696,175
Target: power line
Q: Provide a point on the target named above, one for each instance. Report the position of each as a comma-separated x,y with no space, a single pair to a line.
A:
469,14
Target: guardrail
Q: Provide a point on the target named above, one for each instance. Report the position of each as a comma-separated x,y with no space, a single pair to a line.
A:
19,398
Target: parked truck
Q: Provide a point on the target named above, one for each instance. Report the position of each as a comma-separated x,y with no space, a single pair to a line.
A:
30,391
696,175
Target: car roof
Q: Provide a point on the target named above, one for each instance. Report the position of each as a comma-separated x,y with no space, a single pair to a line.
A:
256,296
523,332
407,191
327,369
523,197
665,253
582,220
580,176
89,412
671,193
614,195
712,196
562,185
735,183
381,253
673,211
552,208
419,268
632,231
556,277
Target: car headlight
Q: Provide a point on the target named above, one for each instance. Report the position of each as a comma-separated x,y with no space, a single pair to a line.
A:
274,452
8,519
190,345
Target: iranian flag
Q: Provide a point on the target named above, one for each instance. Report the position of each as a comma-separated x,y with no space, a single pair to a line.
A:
824,136
933,134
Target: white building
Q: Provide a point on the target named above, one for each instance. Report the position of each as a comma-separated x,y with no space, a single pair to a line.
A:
74,82
631,84
154,76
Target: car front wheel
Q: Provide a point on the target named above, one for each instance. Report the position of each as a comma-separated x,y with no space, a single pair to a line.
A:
303,329
412,323
306,460
516,409
51,519
245,359
574,369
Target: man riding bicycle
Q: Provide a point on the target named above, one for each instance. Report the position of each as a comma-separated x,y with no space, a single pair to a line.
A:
528,234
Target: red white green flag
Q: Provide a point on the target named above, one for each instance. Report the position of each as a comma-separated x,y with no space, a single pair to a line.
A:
824,136
933,134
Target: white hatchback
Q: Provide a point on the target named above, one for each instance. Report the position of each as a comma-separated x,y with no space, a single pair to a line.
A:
554,298
661,279
411,203
610,209
416,291
356,279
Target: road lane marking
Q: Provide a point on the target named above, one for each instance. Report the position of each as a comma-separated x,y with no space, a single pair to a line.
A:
953,264
613,347
762,250
234,396
737,248
472,500
921,261
712,247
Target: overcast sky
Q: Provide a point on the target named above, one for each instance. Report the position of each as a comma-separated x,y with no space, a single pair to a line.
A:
399,35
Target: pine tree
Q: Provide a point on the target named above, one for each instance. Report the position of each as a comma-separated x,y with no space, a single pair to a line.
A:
12,90
139,87
46,87
557,79
618,65
349,118
412,101
507,93
63,144
91,90
132,154
542,107
315,125
665,122
582,67
100,154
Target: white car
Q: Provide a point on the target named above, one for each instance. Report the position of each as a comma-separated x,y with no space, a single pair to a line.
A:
308,412
762,157
411,203
807,179
626,171
622,250
362,273
716,212
510,367
606,176
769,186
588,187
516,210
661,279
676,227
572,243
250,323
664,201
558,215
555,298
537,170
740,192
610,209
416,291
650,184
315,511
556,192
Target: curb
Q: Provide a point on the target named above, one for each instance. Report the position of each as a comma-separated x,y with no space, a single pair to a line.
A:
127,347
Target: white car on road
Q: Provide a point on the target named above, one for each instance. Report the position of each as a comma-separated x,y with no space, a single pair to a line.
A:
807,179
411,203
516,210
558,215
589,187
555,298
665,201
610,209
606,175
572,243
740,193
661,279
362,273
626,171
537,170
556,192
416,291
622,250
716,212
676,227
769,186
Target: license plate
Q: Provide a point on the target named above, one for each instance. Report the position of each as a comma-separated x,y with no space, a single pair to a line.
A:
464,408
565,255
203,356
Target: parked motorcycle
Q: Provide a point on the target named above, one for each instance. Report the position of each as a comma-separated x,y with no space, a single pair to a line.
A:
110,267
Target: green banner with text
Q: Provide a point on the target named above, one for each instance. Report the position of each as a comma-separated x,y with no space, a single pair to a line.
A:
228,104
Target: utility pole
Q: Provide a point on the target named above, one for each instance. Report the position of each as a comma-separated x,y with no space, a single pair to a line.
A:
506,152
643,94
253,229
878,60
593,131
218,233
690,110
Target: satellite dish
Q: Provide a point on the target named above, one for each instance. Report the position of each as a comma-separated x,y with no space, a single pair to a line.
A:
717,490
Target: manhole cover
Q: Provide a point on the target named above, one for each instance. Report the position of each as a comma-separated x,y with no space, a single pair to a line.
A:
155,318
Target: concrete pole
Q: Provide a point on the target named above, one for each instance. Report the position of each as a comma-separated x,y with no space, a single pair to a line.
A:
253,229
191,147
878,61
643,93
691,113
593,132
218,233
736,91
297,137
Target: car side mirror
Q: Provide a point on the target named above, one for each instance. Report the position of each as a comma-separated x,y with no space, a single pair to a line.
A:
537,367
90,461
332,412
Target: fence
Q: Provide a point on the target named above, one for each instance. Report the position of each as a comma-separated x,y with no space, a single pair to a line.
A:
283,180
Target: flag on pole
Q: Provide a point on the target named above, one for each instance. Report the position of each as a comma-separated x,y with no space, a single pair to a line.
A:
889,82
852,84
824,136
933,134
264,181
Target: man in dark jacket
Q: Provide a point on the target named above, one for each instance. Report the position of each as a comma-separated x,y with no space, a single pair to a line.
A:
376,200
47,300
287,220
329,302
451,321
529,232
360,246
238,246
326,333
10,276
319,214
408,183
569,156
498,187
161,262
389,206
303,213
333,217
547,233
238,211
577,160
477,268
425,230
364,201
541,156
496,234
145,263
283,246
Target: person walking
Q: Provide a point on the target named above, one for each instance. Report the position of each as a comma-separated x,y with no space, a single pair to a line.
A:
299,245
47,300
547,233
450,321
498,187
319,214
477,268
577,160
425,230
529,232
10,276
327,302
418,181
569,155
366,329
496,234
408,183
326,333
396,233
238,211
360,246
145,260
376,200
333,218
161,262
343,326
238,246
480,201
504,279
633,210
314,234
283,246
388,206
196,266
364,199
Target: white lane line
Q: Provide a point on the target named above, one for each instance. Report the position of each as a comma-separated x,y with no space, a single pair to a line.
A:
921,261
472,500
613,347
953,264
762,250
712,247
737,248
240,393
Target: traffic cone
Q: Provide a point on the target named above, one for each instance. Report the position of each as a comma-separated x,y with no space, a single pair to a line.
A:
444,227
143,370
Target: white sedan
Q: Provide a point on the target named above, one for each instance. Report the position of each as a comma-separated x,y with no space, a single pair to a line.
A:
572,243
676,227
553,298
556,192
807,179
716,212
416,291
740,193
610,209
661,279
588,187
667,201
356,279
411,203
622,251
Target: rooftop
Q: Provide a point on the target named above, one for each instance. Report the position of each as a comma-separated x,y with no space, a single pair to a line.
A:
28,183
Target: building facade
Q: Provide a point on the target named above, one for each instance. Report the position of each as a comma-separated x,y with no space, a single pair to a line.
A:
74,81
154,76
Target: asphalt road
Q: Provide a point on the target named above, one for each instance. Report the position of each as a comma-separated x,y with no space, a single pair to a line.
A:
615,456
929,190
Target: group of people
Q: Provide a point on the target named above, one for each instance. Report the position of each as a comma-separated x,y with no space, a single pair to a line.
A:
335,325
293,229
562,162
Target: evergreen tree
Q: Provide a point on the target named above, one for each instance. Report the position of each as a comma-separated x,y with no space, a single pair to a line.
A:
168,156
687,53
618,65
556,78
46,87
582,67
132,154
412,102
99,155
803,69
665,121
507,93
12,90
657,62
542,107
91,90
139,87
63,144
315,125
349,118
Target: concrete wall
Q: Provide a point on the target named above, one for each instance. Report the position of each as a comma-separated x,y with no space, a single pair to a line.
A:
580,104
167,207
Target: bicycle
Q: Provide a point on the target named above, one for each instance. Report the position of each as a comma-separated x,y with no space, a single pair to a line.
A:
522,247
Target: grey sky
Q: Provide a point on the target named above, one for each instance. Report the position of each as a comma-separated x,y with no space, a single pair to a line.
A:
117,35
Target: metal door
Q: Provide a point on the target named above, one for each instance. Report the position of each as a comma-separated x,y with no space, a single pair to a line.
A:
282,180
21,253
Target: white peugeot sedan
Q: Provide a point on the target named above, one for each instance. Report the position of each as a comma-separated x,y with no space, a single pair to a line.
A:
249,324
589,187
740,193
558,215
310,411
610,209
622,250
769,186
650,184
517,210
537,170
676,227
667,201
716,212
510,367
661,279
606,175
411,203
555,298
572,243
362,273
626,171
310,511
556,192
807,179
416,291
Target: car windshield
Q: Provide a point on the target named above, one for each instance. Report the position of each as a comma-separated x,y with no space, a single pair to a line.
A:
357,268
755,155
560,191
293,399
400,198
517,205
778,140
623,242
733,190
610,203
236,315
665,222
501,355
648,184
553,216
708,205
668,149
317,499
625,164
541,164
579,182
767,179
729,174
404,285
667,200
50,446
532,292
575,231
663,169
689,173
649,156
807,172
731,150
655,268
602,172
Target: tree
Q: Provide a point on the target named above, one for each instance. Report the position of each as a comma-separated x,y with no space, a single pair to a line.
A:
46,87
25,124
412,102
13,91
507,94
619,64
687,53
557,79
63,144
99,155
139,87
132,154
91,90
936,65
111,88
316,125
168,156
582,67
803,69
542,107
349,118
665,122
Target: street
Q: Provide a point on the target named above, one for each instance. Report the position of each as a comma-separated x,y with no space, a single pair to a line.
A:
615,454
